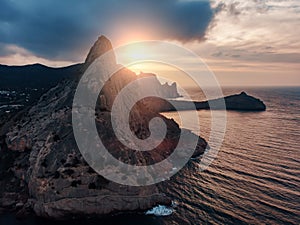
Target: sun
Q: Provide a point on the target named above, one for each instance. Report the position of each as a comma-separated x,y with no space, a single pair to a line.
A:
133,53
141,57
137,53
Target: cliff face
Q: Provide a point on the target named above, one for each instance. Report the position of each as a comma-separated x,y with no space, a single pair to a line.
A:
101,46
166,90
29,82
42,169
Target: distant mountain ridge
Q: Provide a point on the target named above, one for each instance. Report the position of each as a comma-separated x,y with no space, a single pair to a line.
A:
35,75
43,77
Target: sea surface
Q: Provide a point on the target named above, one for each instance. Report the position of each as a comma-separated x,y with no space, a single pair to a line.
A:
255,178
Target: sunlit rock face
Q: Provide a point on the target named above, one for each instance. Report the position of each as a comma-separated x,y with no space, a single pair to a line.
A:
165,90
51,177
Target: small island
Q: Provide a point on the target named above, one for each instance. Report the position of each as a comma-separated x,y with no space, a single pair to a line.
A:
239,102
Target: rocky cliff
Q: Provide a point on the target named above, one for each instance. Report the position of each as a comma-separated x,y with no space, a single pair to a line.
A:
166,90
22,85
42,170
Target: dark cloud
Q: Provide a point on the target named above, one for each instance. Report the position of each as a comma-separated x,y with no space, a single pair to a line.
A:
60,29
8,12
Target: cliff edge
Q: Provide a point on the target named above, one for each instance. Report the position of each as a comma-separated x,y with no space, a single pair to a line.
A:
42,170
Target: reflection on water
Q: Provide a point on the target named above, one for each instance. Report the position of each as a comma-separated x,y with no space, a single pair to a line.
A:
256,176
254,179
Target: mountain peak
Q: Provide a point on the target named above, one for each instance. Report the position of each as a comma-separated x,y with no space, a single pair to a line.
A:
101,46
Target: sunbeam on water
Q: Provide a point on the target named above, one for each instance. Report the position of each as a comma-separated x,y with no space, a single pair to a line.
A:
255,178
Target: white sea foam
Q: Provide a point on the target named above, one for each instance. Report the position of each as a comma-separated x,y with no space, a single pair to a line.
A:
160,210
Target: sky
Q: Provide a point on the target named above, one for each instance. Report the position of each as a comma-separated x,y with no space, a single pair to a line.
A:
244,42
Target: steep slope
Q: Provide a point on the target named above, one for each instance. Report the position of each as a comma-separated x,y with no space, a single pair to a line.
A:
48,172
23,85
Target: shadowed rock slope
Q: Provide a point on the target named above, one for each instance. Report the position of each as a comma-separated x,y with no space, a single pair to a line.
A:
42,170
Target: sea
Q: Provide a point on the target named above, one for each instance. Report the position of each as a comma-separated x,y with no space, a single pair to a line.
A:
254,179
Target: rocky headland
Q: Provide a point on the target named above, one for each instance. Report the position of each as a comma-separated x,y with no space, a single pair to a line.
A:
42,171
238,102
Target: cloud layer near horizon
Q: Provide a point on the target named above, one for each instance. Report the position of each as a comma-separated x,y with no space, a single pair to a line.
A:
61,30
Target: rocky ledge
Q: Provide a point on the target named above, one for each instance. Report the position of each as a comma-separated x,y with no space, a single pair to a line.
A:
43,172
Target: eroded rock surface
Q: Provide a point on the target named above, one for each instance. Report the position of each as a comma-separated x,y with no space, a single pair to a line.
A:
44,172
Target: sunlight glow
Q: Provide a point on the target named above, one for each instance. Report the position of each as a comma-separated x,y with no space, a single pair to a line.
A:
136,53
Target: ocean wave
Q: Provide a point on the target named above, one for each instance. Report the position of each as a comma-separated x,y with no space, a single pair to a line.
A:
160,210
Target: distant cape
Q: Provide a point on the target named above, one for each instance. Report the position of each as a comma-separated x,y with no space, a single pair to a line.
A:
238,102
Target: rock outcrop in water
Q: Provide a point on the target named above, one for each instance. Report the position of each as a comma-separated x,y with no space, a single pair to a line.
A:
242,102
42,170
239,102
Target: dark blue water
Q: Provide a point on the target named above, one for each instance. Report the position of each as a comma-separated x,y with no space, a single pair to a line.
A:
255,178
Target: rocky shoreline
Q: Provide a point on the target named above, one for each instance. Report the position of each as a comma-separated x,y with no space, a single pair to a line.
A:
42,171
